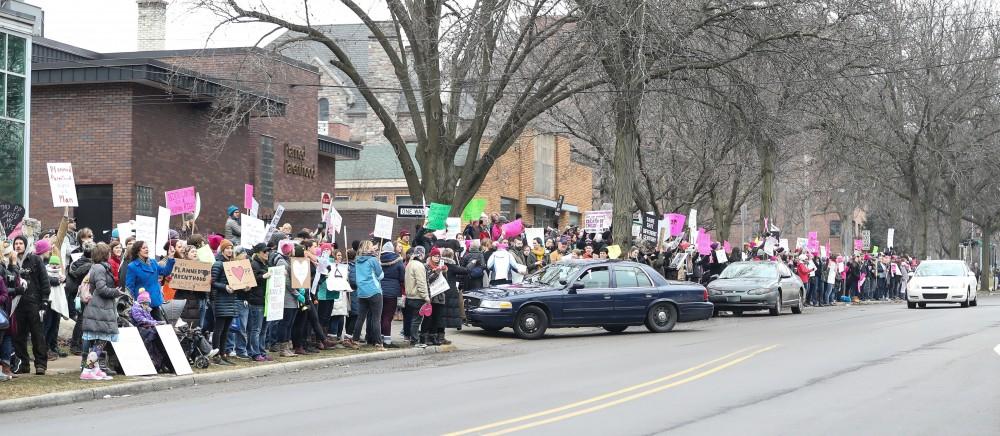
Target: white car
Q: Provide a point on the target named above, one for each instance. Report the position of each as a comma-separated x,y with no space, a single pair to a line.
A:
941,281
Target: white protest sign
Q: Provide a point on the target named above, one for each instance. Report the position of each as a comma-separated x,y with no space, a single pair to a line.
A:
253,231
596,221
534,232
822,251
692,224
124,232
720,255
801,243
145,230
274,222
254,208
178,360
162,230
453,226
132,354
62,184
334,221
383,227
889,241
274,300
783,243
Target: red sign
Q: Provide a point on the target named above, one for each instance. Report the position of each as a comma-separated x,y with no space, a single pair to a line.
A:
325,202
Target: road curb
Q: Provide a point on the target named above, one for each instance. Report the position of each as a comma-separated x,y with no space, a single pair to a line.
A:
159,384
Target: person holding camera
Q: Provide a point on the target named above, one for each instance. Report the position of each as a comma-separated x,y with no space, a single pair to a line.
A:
34,292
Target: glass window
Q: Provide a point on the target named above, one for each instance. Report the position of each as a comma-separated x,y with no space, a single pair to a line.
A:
266,188
324,109
834,228
12,156
948,269
15,97
543,216
545,158
403,199
574,219
629,277
596,278
381,198
15,54
144,201
749,270
3,50
341,198
508,207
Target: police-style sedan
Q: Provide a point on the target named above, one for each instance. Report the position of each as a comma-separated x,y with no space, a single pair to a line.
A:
584,293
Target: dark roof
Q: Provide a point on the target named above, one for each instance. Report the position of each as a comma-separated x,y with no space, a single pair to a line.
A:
379,162
338,148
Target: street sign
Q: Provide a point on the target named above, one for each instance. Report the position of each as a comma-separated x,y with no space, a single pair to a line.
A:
866,240
559,204
325,201
410,211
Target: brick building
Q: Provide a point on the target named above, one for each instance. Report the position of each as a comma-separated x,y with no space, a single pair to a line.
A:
137,124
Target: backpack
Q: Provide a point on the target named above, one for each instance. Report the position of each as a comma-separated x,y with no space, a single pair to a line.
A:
84,291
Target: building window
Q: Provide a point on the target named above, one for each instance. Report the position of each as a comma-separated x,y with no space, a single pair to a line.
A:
545,159
265,191
341,198
543,216
574,219
324,109
12,155
508,207
144,201
404,200
834,228
13,87
381,198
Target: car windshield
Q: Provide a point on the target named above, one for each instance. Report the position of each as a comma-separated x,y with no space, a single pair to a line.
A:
950,269
552,274
749,271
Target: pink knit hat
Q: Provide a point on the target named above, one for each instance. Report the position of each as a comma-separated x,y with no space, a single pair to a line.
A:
143,297
42,247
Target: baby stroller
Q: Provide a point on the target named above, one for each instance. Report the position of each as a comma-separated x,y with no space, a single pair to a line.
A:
196,347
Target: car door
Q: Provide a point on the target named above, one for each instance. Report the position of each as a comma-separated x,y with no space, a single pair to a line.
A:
634,292
790,283
594,302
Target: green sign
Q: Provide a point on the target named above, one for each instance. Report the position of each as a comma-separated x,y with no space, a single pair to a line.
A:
474,209
437,216
874,249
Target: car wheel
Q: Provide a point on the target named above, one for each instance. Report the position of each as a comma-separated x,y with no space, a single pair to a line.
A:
615,328
911,305
776,310
531,323
974,302
661,318
715,313
797,308
966,302
922,305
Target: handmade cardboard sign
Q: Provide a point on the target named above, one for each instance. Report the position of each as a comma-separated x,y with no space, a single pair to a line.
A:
596,221
274,298
132,353
301,274
383,227
239,274
192,275
181,201
437,216
10,216
62,184
253,230
676,221
178,360
205,254
337,279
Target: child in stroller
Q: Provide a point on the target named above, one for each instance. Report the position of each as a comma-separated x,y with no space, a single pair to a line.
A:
195,345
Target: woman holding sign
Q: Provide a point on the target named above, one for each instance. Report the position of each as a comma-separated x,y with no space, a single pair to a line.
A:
224,301
144,273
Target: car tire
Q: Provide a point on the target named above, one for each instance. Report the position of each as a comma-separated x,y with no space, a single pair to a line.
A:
974,302
911,305
715,313
922,305
965,304
776,310
615,328
531,323
661,318
797,308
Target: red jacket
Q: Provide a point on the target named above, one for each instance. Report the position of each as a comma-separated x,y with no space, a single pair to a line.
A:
803,271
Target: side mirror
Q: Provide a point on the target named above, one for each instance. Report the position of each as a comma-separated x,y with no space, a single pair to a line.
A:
714,276
576,286
786,276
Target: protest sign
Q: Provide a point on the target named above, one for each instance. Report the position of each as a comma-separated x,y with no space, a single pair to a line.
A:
383,227
822,252
253,231
333,221
703,242
10,216
247,196
513,228
692,219
197,206
813,244
648,231
162,230
131,353
254,208
596,221
783,243
124,232
274,222
205,254
62,184
337,279
181,201
534,232
720,255
662,232
676,221
239,274
866,239
192,275
437,216
453,226
274,299
301,273
801,243
728,248
474,210
890,238
614,252
178,360
858,245
145,230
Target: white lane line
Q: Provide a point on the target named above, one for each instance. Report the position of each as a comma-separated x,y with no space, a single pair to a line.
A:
997,349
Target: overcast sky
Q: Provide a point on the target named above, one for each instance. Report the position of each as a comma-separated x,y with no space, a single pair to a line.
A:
110,25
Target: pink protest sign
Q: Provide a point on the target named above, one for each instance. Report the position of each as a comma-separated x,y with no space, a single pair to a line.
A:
676,222
513,228
859,245
704,242
727,247
180,200
247,196
813,244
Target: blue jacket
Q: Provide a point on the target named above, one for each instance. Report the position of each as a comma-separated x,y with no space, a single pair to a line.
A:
394,273
147,275
369,275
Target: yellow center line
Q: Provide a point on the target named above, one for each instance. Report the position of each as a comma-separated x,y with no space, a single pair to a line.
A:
597,398
633,396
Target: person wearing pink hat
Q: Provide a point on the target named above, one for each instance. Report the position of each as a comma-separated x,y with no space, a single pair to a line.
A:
34,292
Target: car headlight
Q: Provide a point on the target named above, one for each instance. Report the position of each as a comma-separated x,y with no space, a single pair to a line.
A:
760,291
715,292
495,304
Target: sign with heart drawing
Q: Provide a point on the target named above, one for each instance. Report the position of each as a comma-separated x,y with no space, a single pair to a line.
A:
239,274
301,277
10,216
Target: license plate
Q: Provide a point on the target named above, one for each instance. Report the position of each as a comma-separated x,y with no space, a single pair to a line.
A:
735,299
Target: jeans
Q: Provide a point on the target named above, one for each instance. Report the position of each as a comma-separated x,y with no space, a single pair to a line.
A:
388,312
828,291
337,325
202,313
238,340
6,348
408,320
411,310
369,312
50,325
256,331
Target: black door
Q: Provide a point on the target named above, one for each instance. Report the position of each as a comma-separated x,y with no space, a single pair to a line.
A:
96,206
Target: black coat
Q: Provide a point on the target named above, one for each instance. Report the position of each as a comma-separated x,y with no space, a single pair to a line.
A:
471,283
33,271
75,274
224,304
256,295
452,317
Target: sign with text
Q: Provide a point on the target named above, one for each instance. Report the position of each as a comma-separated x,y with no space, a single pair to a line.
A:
474,210
192,275
178,360
410,211
253,231
145,230
10,216
890,239
247,196
181,201
596,221
62,184
383,227
676,221
437,216
648,232
866,239
162,230
274,299
239,274
274,222
333,221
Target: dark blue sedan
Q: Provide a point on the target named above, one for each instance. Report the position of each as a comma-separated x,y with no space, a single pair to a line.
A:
583,293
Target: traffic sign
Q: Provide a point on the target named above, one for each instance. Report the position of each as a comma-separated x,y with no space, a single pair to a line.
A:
410,211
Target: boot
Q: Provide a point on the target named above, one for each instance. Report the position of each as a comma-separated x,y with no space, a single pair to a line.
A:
442,340
285,350
300,350
423,341
221,361
321,345
102,363
5,370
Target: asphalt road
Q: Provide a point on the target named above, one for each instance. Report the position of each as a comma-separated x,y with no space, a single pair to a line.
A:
860,370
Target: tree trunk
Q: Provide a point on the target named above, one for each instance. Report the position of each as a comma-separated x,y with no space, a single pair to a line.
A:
765,153
954,238
986,278
625,164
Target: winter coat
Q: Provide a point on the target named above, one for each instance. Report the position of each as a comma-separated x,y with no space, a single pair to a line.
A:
32,269
393,275
474,268
233,231
7,298
278,260
457,274
416,280
101,314
369,275
224,303
116,265
256,295
147,275
501,265
76,272
432,276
